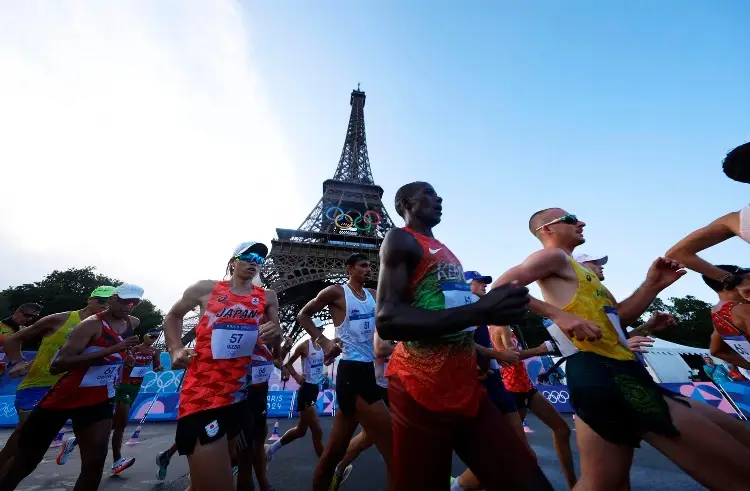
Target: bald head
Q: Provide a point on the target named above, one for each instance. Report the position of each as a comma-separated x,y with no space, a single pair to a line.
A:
543,216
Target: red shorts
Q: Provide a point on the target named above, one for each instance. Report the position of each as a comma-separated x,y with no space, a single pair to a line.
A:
424,441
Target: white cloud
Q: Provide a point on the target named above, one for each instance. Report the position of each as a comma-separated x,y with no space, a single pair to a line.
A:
136,137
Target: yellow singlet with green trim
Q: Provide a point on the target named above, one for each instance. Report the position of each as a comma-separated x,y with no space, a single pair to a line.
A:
39,375
589,303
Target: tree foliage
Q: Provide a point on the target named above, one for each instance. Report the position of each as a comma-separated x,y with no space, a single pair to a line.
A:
61,291
692,318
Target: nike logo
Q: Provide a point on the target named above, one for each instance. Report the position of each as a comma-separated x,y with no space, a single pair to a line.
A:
435,251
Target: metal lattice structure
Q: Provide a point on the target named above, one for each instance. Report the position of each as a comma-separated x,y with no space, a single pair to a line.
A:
350,217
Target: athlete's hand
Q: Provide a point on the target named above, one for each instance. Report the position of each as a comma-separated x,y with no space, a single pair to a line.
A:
483,374
640,344
299,378
505,304
18,370
663,272
331,349
125,345
575,327
181,358
284,374
269,332
658,322
509,356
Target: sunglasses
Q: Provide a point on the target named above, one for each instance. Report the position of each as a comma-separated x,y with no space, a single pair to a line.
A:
251,257
568,219
101,300
127,301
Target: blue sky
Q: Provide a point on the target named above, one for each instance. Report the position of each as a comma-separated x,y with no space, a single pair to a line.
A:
204,124
618,113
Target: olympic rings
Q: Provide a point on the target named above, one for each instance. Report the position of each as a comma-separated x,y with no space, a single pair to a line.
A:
362,222
555,396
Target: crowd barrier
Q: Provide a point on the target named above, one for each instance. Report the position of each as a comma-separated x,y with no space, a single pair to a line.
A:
282,400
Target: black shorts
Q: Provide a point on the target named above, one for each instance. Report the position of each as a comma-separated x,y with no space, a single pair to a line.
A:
384,395
356,378
307,396
618,399
44,424
523,399
212,424
500,397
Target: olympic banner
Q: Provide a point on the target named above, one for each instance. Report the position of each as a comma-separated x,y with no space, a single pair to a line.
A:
704,392
739,394
558,396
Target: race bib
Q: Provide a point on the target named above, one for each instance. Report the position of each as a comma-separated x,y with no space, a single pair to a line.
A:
563,342
139,371
316,370
739,344
614,318
230,341
101,375
261,372
363,329
458,295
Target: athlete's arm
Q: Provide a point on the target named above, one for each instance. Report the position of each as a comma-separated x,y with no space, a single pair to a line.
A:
299,352
326,297
500,336
395,318
539,266
71,354
383,349
662,273
271,336
721,350
191,298
39,329
686,251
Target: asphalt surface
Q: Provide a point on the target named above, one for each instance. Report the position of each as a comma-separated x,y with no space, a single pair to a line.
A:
292,467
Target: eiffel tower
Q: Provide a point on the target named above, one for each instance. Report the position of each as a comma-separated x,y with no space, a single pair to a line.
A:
350,217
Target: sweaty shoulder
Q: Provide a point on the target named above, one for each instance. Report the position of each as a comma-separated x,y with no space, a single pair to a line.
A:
270,295
398,243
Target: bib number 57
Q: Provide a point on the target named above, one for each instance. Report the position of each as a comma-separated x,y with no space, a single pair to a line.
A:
235,338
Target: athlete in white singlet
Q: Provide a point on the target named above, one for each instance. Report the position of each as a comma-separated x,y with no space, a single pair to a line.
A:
312,376
352,308
362,441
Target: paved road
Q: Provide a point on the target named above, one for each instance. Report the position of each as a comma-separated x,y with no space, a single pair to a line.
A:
292,467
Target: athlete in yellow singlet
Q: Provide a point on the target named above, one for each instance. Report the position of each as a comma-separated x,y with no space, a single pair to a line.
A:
54,330
617,403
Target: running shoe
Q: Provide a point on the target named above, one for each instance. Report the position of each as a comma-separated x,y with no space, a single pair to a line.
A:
339,480
162,460
121,465
67,448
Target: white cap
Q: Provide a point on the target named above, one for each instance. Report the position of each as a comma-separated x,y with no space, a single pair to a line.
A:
126,291
586,258
258,247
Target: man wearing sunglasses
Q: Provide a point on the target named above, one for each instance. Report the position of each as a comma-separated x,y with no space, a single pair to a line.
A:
214,404
616,400
53,330
25,315
93,356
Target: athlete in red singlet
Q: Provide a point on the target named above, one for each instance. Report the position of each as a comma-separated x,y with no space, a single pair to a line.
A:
437,403
93,358
143,357
527,398
731,320
214,405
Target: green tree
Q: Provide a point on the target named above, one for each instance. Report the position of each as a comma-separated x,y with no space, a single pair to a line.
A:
62,291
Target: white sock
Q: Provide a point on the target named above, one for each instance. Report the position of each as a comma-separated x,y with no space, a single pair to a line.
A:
274,447
455,486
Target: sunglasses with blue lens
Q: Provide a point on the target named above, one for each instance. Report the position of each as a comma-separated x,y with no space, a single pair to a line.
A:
251,257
